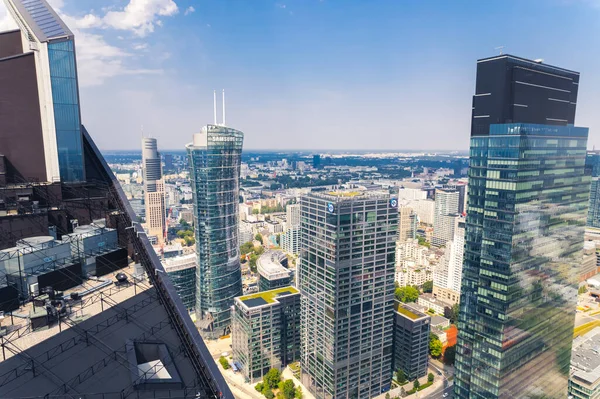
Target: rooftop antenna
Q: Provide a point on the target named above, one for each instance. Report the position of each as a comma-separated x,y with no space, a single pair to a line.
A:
499,48
142,129
215,105
223,107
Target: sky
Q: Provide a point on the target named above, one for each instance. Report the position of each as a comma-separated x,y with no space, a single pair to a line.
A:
313,74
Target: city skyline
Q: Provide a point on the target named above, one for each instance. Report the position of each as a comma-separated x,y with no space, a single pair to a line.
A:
325,86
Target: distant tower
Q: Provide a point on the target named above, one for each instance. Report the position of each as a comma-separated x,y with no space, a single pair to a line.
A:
154,189
215,160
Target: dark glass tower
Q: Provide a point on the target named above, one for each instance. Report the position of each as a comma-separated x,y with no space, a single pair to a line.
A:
528,197
215,160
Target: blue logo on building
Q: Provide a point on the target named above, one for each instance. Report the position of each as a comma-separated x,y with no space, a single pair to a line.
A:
394,202
330,207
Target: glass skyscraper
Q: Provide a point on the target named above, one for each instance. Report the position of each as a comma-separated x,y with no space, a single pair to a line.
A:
215,160
55,62
346,278
527,209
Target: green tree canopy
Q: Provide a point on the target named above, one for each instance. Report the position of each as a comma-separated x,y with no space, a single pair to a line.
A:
288,389
435,348
450,355
428,286
273,377
407,294
430,377
400,376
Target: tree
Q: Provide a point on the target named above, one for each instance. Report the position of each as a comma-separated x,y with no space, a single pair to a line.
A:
435,348
258,237
224,362
407,294
288,389
268,393
582,290
189,241
454,313
272,378
183,223
299,393
400,376
246,248
259,387
387,396
430,377
428,286
255,211
450,355
416,384
253,259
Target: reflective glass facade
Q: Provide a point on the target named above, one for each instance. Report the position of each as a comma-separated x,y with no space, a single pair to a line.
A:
214,174
527,209
65,97
346,278
593,219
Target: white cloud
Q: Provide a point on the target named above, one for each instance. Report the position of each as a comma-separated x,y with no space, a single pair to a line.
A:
140,46
140,16
6,21
189,10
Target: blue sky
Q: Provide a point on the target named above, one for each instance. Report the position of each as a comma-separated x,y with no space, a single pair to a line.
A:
310,74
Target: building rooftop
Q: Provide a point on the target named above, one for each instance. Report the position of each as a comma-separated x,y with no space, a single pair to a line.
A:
180,262
437,320
408,311
38,19
585,357
269,265
266,297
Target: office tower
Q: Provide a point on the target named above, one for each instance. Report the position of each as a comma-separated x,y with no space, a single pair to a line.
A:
215,156
407,227
411,341
405,193
425,210
593,216
448,274
316,161
169,163
346,278
290,239
584,382
182,272
45,48
272,271
462,195
106,337
528,197
446,212
266,331
154,189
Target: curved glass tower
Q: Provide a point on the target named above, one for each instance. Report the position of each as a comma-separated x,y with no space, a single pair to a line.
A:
215,159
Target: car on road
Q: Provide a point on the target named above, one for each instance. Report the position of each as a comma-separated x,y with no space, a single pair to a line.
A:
445,395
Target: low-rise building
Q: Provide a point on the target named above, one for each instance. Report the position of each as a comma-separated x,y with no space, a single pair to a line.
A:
431,302
411,340
266,331
440,322
584,382
446,294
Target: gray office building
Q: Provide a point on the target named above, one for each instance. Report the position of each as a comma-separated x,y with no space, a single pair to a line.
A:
266,331
215,159
411,340
346,278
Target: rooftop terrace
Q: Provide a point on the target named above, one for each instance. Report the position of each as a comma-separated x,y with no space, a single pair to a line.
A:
266,297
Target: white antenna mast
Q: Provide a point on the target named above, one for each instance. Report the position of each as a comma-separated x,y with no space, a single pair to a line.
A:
215,105
142,129
499,48
223,107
